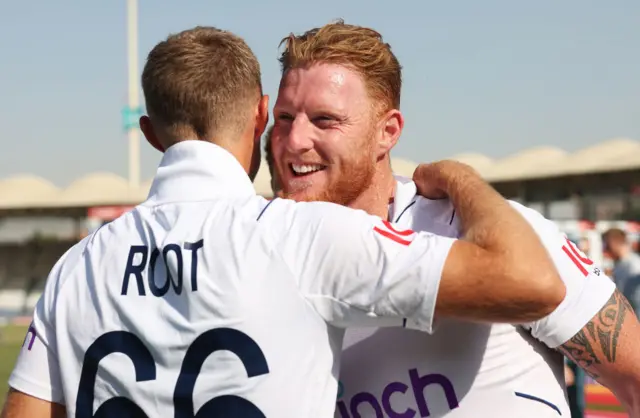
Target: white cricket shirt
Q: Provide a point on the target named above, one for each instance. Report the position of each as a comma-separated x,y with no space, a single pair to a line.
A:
207,297
466,370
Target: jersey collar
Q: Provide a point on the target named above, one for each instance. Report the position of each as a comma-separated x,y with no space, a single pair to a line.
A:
198,170
405,193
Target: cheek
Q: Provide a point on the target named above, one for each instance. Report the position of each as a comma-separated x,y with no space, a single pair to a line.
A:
334,147
277,150
352,150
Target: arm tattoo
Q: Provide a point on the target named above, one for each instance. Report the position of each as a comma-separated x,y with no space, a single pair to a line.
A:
597,342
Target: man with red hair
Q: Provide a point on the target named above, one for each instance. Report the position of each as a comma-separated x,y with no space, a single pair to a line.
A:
337,118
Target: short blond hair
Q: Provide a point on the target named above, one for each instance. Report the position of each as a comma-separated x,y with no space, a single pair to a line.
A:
201,80
356,47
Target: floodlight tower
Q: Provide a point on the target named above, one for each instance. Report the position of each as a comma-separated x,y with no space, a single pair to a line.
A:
132,112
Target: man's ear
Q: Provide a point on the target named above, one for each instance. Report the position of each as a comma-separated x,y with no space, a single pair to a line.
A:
149,133
391,124
262,117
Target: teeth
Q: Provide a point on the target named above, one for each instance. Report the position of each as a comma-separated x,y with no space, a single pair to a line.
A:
307,168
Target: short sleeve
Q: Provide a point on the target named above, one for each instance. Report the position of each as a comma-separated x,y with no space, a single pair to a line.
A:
587,287
37,370
358,270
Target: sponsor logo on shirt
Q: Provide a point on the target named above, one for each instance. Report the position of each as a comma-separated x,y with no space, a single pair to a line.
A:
363,404
30,337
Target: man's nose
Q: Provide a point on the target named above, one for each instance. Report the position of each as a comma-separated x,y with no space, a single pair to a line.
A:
299,137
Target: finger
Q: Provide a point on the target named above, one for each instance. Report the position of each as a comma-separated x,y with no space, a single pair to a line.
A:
429,191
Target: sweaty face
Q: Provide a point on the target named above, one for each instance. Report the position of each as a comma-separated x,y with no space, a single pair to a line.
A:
323,137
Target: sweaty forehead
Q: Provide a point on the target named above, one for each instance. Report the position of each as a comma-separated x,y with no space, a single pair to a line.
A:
322,85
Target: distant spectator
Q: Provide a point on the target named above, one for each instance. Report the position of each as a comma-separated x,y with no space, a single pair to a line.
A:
626,270
574,379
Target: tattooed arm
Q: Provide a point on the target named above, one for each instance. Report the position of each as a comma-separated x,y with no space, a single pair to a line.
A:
594,325
608,348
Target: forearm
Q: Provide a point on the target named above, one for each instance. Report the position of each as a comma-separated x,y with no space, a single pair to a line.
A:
21,405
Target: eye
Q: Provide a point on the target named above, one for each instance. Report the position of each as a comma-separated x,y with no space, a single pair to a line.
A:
284,116
324,121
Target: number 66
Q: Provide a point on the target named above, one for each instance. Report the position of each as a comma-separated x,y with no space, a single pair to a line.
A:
227,406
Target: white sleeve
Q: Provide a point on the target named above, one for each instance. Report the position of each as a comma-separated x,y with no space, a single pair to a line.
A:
358,270
37,371
588,288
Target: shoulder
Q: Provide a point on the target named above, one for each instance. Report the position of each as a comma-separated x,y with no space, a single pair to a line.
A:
71,258
535,218
299,226
285,211
441,210
422,214
525,211
63,270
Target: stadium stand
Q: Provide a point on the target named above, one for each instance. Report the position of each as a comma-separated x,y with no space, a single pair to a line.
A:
595,183
619,155
24,272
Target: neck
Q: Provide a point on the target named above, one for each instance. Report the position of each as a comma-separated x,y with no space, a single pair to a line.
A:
242,153
375,199
237,146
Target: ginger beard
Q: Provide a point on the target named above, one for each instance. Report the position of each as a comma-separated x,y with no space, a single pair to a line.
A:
347,180
325,134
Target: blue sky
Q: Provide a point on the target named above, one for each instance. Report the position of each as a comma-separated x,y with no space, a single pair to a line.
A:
491,76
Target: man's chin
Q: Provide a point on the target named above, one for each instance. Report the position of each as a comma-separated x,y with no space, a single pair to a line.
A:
307,195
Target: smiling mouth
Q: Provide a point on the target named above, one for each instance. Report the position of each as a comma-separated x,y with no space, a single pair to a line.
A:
301,170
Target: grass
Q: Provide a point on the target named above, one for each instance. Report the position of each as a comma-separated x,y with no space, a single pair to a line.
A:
11,339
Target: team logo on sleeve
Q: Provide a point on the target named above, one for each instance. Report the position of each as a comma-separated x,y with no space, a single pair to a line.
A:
577,257
387,230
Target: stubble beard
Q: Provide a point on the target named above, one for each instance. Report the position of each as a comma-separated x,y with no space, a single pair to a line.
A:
355,178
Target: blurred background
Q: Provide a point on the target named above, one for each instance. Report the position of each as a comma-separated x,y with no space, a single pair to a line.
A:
541,98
